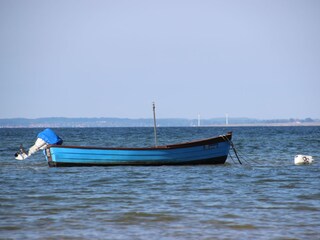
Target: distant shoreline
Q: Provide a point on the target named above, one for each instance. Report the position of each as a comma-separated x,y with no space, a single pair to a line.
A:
148,122
315,124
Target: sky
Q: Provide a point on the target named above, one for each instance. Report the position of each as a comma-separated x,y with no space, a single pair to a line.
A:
257,59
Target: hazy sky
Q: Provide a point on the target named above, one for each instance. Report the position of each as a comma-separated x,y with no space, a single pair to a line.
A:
105,58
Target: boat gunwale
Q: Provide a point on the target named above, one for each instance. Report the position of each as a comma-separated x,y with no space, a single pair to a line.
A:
195,143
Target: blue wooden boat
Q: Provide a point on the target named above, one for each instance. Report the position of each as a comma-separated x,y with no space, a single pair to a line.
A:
207,151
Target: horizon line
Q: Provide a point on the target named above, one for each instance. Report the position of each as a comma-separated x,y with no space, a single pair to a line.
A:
138,118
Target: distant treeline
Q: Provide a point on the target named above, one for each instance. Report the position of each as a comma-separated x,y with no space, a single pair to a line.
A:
143,122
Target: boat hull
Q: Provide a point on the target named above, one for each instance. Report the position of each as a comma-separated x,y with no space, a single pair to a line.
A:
207,151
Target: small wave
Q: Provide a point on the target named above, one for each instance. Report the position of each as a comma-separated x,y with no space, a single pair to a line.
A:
137,217
315,196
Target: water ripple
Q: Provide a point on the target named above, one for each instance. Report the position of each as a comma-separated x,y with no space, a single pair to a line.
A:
268,199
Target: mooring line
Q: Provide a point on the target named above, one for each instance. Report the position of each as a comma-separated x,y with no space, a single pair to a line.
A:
238,153
235,151
233,147
241,154
231,158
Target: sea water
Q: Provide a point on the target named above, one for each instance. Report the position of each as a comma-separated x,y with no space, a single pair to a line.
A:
267,197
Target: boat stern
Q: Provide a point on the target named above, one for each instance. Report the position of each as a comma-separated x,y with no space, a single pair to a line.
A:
48,155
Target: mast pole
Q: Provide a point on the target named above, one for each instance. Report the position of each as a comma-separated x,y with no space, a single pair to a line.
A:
155,124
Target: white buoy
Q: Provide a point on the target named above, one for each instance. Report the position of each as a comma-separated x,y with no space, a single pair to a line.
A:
302,159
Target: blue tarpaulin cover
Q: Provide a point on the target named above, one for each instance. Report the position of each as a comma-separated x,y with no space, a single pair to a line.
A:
50,137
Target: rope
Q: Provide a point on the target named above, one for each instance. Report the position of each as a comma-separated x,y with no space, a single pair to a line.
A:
231,158
242,157
233,147
238,153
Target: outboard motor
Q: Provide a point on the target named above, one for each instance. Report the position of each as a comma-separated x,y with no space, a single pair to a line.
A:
44,138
